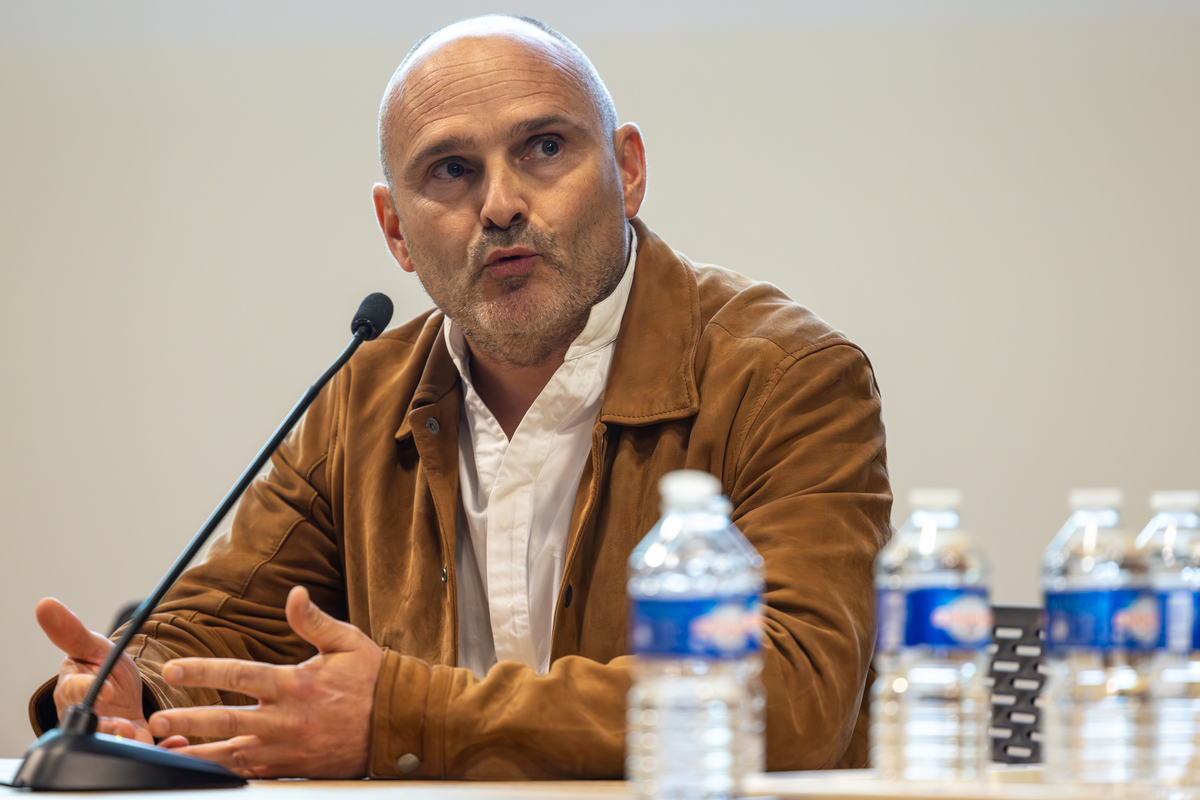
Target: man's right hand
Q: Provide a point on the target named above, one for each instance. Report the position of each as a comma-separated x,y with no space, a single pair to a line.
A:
119,705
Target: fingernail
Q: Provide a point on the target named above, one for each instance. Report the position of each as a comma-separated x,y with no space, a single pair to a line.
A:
172,673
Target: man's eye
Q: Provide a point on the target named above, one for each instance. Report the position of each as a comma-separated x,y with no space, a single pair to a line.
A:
450,170
547,148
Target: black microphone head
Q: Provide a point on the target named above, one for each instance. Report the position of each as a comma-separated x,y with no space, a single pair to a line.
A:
373,315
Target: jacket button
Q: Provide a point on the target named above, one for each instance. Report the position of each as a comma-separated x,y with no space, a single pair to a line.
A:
432,426
567,602
444,575
407,764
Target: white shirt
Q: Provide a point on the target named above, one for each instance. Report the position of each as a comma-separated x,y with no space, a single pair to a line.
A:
516,497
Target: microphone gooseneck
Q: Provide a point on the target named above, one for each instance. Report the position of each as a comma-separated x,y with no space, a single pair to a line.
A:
60,759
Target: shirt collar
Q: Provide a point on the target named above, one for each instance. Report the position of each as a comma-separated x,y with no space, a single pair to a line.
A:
603,325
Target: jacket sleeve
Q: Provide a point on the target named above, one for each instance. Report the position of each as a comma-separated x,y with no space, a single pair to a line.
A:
231,604
512,724
811,493
810,490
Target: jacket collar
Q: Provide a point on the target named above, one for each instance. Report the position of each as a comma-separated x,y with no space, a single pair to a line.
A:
652,378
439,377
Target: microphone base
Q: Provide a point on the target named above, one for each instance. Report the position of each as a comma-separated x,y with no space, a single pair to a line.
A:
64,761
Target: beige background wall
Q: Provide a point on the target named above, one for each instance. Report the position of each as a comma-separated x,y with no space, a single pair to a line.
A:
1001,203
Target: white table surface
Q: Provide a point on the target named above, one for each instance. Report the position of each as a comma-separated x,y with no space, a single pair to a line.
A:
1002,784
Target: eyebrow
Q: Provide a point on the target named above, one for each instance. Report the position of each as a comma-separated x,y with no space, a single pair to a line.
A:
540,123
442,147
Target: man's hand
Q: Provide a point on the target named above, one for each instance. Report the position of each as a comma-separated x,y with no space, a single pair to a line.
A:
313,720
119,704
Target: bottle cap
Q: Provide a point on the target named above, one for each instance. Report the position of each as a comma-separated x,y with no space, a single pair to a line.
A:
1095,499
935,499
720,505
1175,501
688,489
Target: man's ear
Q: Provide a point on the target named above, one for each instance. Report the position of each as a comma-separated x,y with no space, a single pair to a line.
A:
389,223
630,153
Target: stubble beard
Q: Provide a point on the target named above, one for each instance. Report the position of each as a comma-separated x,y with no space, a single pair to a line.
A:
537,315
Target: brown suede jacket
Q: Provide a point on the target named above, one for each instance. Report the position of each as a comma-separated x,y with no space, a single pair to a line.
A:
711,371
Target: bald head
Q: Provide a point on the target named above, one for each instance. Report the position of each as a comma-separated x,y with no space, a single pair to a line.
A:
537,38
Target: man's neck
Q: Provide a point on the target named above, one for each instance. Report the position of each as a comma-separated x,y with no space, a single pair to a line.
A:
509,391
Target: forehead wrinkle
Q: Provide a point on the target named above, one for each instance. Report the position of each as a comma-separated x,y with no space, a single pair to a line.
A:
424,110
536,92
443,83
435,100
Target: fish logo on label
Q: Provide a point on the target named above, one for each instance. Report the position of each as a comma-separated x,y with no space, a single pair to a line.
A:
727,628
643,636
967,619
1060,629
1138,621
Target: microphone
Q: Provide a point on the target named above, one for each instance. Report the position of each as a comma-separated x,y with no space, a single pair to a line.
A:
74,756
374,314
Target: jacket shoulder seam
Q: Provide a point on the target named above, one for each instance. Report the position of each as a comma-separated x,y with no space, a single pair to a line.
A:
781,367
830,339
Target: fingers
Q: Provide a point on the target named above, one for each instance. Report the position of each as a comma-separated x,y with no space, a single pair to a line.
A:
69,634
248,756
209,722
174,742
119,726
261,681
316,627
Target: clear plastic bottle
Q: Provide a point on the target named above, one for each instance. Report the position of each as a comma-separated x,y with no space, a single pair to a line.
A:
1101,628
930,707
695,710
1170,548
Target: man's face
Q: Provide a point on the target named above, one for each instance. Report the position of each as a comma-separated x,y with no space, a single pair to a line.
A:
511,206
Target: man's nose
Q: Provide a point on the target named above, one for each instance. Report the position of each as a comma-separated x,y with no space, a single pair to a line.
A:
504,203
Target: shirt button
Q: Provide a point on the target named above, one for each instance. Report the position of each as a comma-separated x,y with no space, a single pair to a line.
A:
407,764
432,426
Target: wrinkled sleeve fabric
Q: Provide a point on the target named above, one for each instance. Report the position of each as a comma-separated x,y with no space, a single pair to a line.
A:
510,724
811,493
231,605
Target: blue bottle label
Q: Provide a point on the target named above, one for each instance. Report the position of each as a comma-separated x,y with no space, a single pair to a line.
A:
1103,619
1179,610
712,627
940,617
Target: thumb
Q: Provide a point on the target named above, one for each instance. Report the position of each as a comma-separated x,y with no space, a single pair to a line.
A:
316,627
69,634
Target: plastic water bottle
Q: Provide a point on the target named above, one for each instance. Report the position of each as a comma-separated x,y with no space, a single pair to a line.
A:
1101,625
930,707
1170,547
695,710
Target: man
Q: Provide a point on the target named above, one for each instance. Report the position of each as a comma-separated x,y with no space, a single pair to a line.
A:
444,537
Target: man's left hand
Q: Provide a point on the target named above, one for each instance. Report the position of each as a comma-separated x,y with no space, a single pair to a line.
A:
313,719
